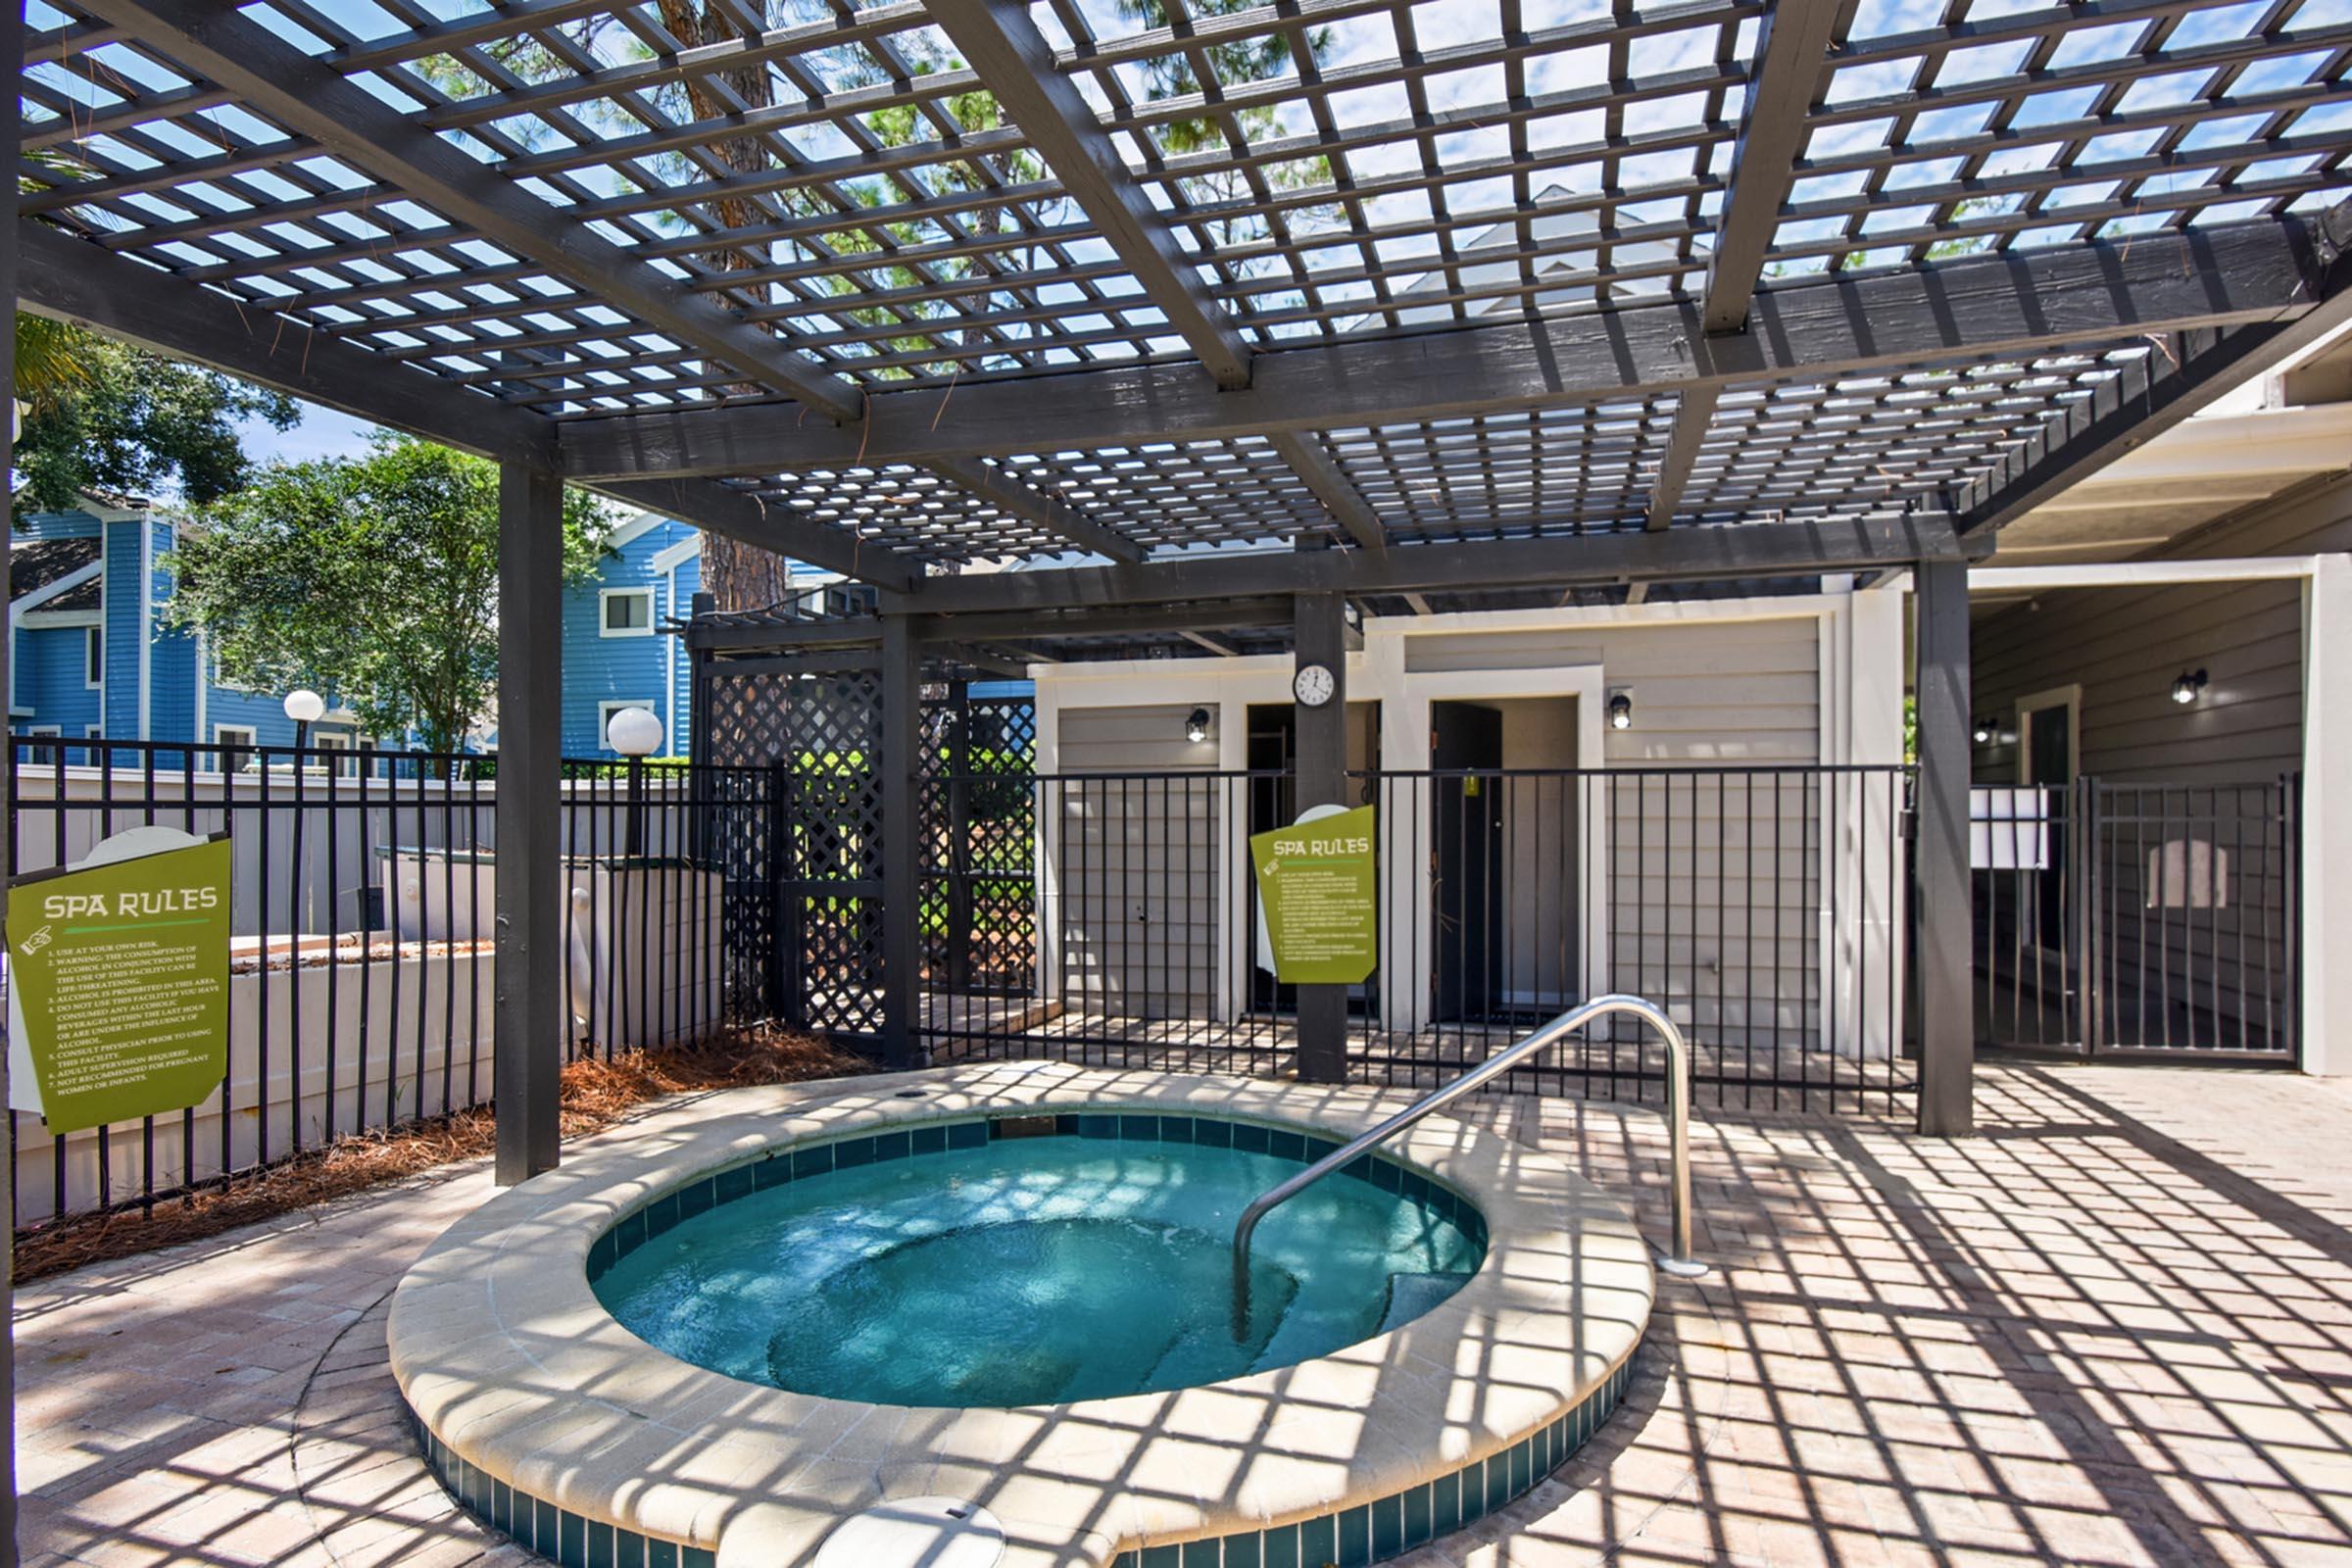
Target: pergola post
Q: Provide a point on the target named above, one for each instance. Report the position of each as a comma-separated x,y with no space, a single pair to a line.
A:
11,47
902,849
960,837
1948,1021
1319,767
531,1020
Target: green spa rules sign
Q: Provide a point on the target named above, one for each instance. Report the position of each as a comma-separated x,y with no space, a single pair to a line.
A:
1321,898
119,975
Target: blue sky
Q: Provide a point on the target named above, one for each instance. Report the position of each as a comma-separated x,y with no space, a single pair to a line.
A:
323,433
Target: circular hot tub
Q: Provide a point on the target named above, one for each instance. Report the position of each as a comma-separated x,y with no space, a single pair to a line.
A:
1033,1260
719,1335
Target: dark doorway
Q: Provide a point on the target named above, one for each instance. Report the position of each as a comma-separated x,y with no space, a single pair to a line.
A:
2050,761
1273,804
1466,798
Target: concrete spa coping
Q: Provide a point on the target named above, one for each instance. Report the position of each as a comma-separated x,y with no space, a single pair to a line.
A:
536,1406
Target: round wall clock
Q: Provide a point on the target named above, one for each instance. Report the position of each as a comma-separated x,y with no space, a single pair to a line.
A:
1314,685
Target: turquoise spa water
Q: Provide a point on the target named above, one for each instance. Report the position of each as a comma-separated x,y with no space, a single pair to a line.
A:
1030,1271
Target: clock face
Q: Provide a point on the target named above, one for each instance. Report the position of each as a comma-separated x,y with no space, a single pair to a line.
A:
1314,685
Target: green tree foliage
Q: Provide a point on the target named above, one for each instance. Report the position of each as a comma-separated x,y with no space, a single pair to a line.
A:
374,579
108,416
1234,63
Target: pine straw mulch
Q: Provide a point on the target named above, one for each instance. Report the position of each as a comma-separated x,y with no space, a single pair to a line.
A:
595,1093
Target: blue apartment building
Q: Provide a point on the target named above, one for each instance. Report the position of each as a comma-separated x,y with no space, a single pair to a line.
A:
616,652
95,657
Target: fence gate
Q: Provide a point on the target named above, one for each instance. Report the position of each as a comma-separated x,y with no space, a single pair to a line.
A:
2139,920
979,873
820,735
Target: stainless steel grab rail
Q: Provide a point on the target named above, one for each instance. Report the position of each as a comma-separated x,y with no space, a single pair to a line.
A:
1678,1261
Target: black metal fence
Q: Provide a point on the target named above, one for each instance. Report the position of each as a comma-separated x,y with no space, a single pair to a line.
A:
362,900
1763,906
2121,919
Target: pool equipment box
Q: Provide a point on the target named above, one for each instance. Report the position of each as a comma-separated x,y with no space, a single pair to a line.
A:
118,980
1318,884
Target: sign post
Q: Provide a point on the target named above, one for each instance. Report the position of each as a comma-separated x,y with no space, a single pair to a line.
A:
118,980
1319,884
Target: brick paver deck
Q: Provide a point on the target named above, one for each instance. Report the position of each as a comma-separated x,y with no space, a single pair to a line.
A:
2116,1328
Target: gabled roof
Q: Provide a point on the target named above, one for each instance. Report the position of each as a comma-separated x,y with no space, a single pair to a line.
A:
38,567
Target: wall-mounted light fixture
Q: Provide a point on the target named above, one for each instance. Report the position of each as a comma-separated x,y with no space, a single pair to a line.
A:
1195,725
1621,710
2188,685
1983,733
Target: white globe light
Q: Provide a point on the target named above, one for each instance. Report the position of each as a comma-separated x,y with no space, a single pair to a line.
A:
305,706
634,732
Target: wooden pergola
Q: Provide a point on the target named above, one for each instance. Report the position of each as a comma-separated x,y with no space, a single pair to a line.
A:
1246,313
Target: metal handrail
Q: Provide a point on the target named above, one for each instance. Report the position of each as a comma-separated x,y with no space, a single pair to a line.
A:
1678,1261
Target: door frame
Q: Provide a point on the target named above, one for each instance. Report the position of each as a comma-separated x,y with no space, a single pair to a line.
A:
2067,697
2070,698
1405,739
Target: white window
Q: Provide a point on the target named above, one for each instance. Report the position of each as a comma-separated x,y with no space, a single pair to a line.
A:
43,754
236,748
91,753
627,612
227,685
338,741
93,657
604,719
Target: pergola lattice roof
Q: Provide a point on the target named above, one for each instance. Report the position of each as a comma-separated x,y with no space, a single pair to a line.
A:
910,285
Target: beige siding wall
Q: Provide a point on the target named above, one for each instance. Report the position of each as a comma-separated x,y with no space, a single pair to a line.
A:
1137,862
1715,883
1742,691
2125,645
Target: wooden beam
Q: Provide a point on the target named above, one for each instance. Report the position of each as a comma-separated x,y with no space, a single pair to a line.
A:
1033,505
719,636
2181,376
1005,49
1182,589
1691,416
1793,52
1105,619
831,663
1308,459
739,516
534,1025
1952,311
1319,777
988,662
2128,413
11,47
314,100
74,280
1947,984
1792,49
902,916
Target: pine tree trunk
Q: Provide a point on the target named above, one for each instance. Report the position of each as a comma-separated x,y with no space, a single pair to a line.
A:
737,576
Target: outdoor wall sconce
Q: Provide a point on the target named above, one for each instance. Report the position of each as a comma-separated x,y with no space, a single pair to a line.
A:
2187,686
1983,733
1621,710
1195,725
